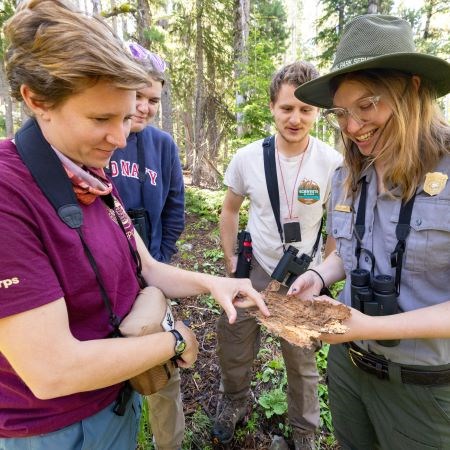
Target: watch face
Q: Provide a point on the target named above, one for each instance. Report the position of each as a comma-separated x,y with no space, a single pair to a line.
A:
180,347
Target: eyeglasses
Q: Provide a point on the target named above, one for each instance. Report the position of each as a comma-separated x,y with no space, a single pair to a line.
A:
364,111
142,54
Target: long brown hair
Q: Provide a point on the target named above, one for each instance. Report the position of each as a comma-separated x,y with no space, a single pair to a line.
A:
58,51
414,139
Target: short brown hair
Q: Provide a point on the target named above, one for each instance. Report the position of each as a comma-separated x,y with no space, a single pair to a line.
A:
295,74
58,51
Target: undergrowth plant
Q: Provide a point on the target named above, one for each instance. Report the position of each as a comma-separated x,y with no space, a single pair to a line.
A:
207,204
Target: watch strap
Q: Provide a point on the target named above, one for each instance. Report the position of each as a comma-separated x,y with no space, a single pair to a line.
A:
179,340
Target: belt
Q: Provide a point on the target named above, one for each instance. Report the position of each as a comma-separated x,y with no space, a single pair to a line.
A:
379,366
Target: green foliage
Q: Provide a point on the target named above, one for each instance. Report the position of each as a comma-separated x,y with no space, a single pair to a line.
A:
208,301
207,205
273,371
198,433
336,288
154,34
251,426
144,439
266,45
214,254
336,14
216,17
274,402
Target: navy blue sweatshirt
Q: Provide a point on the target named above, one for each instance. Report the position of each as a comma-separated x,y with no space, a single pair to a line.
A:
163,187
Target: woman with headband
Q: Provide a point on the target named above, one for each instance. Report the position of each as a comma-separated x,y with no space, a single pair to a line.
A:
154,200
389,383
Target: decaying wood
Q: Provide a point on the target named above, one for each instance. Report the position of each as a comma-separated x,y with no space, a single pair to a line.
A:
301,322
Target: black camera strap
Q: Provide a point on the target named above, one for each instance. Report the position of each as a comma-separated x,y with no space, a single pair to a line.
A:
51,177
270,171
401,231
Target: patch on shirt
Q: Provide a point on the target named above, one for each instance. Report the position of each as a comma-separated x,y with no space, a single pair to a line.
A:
5,284
308,192
435,182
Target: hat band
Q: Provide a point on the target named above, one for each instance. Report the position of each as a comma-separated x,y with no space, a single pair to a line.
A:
351,62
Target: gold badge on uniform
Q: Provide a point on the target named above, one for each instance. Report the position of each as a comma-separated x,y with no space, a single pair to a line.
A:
435,182
308,192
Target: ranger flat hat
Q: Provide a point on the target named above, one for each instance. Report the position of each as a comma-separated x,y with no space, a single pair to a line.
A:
376,41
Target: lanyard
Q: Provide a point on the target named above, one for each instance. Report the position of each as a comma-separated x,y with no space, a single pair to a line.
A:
401,232
291,206
270,173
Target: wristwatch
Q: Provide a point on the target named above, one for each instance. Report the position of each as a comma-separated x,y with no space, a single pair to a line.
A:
180,344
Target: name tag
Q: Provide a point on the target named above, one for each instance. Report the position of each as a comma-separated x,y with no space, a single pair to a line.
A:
343,208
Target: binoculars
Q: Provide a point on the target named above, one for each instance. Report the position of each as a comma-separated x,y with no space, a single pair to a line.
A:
245,254
374,297
291,266
139,218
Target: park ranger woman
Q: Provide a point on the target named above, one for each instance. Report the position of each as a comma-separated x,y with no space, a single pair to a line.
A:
389,383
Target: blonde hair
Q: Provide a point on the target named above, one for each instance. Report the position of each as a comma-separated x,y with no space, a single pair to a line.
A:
58,51
414,139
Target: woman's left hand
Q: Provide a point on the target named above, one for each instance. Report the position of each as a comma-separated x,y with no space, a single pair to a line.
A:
236,292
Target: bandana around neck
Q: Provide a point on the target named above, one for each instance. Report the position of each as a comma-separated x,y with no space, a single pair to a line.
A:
88,184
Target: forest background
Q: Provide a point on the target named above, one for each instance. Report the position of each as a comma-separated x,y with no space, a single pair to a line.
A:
221,56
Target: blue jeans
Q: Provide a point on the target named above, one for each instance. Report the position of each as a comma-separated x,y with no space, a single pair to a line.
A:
102,431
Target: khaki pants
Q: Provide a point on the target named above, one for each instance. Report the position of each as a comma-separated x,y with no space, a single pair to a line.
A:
165,411
238,345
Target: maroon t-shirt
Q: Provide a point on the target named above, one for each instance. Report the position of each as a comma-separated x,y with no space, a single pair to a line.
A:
42,260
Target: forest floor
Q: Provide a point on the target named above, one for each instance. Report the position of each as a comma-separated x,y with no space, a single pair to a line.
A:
199,250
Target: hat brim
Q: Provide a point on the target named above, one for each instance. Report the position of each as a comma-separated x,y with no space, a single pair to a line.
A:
435,71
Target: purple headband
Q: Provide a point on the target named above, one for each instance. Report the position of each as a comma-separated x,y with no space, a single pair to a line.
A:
142,54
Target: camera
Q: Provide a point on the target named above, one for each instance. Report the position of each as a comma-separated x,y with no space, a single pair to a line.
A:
245,254
139,218
291,266
376,297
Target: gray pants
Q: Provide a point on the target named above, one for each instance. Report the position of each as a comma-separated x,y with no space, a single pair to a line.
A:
237,348
369,413
103,430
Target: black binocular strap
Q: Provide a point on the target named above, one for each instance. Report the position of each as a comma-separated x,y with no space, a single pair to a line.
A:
401,232
270,171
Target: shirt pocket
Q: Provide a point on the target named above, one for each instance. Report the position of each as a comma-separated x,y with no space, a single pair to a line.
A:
428,243
342,231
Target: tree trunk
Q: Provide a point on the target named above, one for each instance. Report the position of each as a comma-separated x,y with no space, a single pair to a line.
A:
189,137
212,132
341,12
96,6
241,31
113,18
372,7
4,94
166,98
199,105
429,10
143,22
166,106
